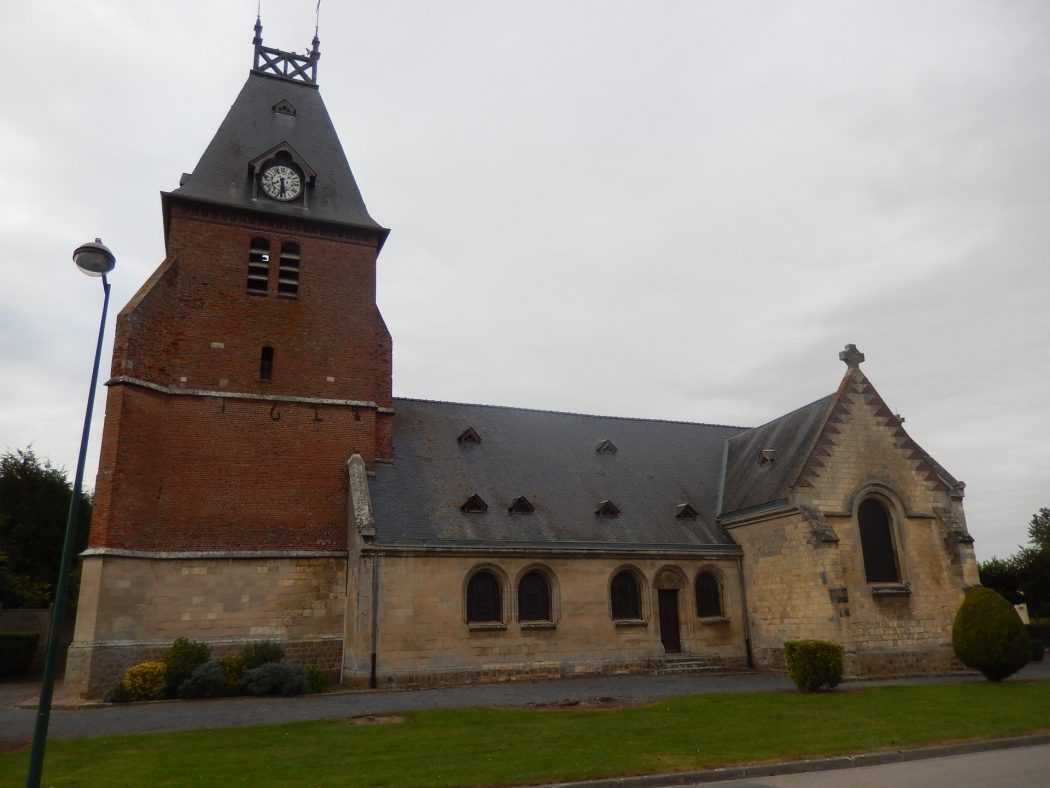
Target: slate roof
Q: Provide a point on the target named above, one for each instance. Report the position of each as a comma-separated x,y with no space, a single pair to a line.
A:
748,484
552,459
252,128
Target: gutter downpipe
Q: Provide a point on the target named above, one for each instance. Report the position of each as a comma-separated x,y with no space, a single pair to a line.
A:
743,604
375,619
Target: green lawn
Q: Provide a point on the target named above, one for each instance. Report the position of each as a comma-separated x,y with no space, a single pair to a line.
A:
505,746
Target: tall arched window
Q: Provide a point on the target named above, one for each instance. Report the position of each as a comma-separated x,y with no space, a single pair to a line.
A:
876,542
484,598
626,599
708,596
534,597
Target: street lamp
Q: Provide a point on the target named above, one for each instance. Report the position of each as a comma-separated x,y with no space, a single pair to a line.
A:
94,259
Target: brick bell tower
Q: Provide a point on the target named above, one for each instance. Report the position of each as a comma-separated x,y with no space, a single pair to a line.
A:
246,371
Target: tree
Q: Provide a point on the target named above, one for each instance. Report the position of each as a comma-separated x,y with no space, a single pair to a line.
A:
1024,576
34,506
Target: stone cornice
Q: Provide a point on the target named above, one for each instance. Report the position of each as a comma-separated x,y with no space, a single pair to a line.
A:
204,555
180,392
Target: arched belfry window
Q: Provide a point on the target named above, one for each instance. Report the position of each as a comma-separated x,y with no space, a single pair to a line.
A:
708,596
876,542
259,266
484,598
626,596
288,270
534,597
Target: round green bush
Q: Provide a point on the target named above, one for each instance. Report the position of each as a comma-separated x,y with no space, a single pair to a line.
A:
260,653
182,659
274,678
145,681
988,636
206,681
813,664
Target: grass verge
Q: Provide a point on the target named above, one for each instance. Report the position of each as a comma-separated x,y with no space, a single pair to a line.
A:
506,746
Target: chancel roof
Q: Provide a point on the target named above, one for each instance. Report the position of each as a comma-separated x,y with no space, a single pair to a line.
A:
553,460
269,112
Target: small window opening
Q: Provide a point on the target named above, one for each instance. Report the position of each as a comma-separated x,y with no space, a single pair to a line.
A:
767,457
521,505
607,510
534,597
259,266
606,447
266,363
469,435
708,596
484,598
288,270
474,505
626,599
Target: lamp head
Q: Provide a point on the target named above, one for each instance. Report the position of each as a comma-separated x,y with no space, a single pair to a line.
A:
94,258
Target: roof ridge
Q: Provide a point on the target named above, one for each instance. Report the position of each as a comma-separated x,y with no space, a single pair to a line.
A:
571,413
784,415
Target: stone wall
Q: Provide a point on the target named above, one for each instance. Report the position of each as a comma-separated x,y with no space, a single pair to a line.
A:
132,608
424,636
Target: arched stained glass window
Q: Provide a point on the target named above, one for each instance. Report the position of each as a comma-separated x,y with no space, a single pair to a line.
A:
708,595
626,598
534,597
484,598
876,542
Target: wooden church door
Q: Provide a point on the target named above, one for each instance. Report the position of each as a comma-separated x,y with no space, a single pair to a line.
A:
669,629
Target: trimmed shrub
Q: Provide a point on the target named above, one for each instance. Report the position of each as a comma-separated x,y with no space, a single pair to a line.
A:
118,693
988,636
274,678
233,669
1038,649
813,664
145,681
182,659
16,652
317,680
206,681
258,654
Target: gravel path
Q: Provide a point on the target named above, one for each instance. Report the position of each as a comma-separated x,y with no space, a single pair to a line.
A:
16,722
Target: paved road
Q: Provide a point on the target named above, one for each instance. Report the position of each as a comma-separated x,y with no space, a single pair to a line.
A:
1020,767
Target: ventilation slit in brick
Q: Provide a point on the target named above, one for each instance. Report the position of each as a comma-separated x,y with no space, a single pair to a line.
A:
266,363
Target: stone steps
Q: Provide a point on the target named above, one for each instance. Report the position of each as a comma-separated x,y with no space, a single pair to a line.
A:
685,663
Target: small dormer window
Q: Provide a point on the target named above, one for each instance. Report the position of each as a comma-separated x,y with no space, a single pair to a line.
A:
521,505
474,505
686,512
606,447
766,457
284,107
607,510
469,435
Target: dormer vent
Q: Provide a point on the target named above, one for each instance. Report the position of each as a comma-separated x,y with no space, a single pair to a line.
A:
474,505
607,510
521,505
686,512
469,435
284,107
606,447
766,457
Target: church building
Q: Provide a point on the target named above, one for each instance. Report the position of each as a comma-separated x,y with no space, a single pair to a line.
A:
259,481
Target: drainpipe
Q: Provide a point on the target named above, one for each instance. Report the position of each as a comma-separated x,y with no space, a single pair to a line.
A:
375,618
743,604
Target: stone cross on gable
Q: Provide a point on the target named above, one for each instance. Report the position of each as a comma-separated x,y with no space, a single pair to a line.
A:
851,356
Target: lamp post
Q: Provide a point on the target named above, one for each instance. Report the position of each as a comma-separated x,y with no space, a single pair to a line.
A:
93,259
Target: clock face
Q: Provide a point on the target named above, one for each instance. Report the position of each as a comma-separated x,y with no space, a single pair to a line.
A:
281,182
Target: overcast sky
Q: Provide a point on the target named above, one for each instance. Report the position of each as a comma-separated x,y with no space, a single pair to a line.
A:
675,210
